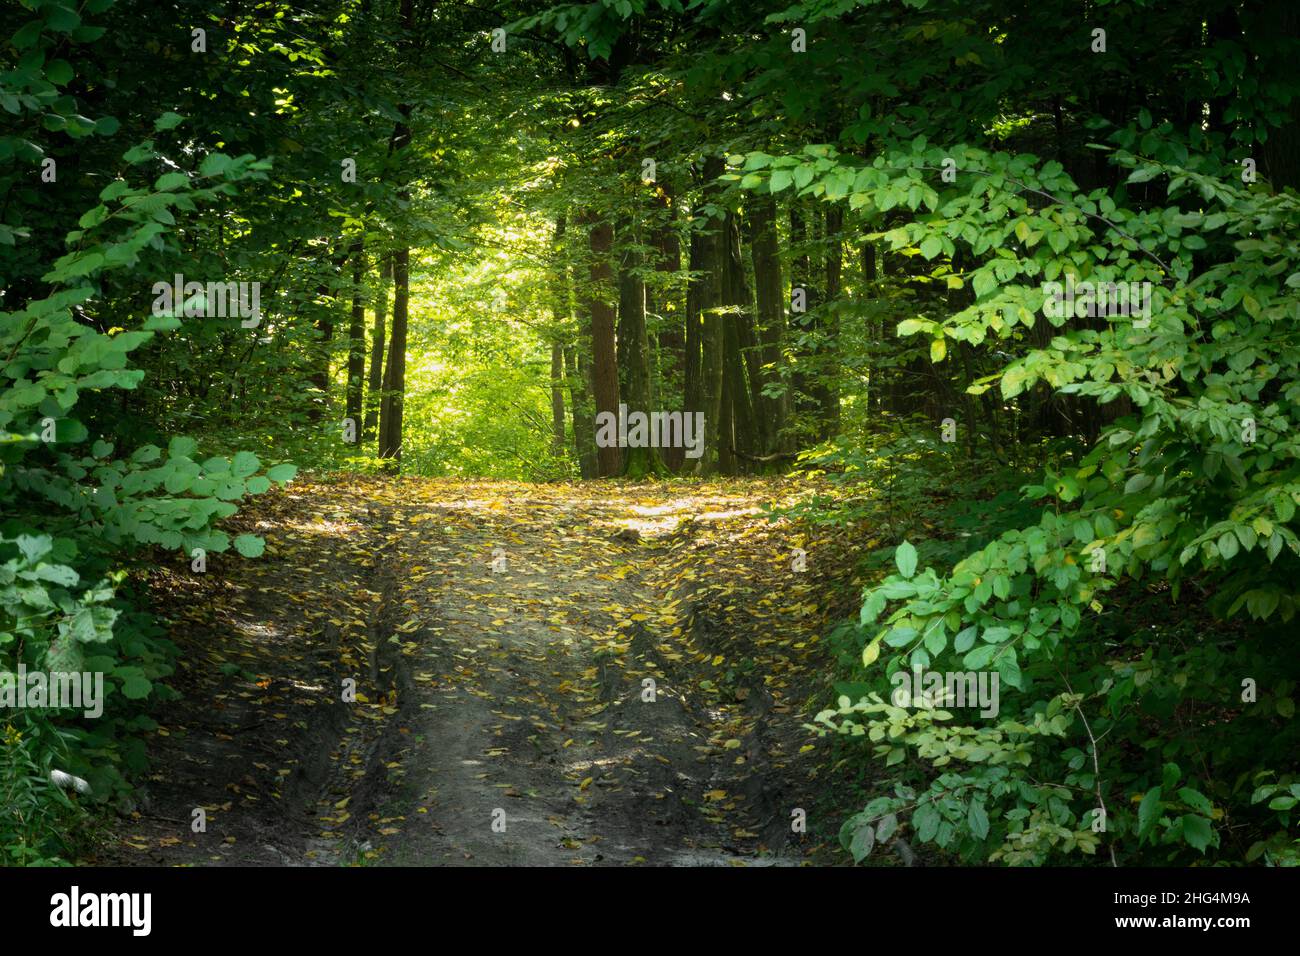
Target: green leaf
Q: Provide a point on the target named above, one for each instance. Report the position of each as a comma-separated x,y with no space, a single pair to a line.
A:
857,836
1148,812
59,72
214,164
135,686
965,639
864,838
169,181
62,19
182,447
244,464
1196,800
1008,668
250,545
1227,545
1197,831
27,35
34,547
57,574
905,558
900,636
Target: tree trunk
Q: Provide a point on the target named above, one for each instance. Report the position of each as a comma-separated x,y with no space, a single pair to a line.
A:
356,340
390,410
710,299
375,385
874,329
604,360
805,374
584,436
634,353
771,315
671,339
320,377
557,400
562,315
742,346
829,393
693,370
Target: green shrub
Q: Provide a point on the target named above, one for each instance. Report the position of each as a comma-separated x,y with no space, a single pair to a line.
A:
1180,737
75,509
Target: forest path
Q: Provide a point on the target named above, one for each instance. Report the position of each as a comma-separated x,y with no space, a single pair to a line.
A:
595,673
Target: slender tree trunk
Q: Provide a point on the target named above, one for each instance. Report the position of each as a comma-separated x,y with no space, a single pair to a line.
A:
874,329
710,300
804,378
671,340
390,408
325,305
560,313
584,437
376,383
829,326
390,412
693,371
356,340
557,400
634,354
604,359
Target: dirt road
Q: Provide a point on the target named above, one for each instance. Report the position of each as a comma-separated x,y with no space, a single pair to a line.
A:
439,673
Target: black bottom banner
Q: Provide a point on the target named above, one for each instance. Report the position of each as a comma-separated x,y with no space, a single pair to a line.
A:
304,905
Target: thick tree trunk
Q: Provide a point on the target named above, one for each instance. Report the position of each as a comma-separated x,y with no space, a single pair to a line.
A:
770,307
743,352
